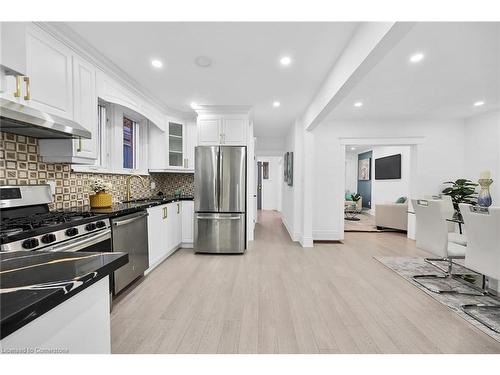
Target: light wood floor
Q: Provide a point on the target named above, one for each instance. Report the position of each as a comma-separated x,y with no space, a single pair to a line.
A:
280,298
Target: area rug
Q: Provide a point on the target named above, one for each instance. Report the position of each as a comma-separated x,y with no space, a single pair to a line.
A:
407,267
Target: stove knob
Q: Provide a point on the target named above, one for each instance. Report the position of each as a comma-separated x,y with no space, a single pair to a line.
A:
30,243
71,232
48,238
100,224
90,227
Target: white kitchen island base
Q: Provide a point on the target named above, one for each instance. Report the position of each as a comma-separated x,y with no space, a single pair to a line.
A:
79,325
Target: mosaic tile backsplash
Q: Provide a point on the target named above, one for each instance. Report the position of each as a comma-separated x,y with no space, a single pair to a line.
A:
20,164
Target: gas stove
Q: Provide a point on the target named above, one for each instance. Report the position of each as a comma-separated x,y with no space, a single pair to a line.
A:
27,223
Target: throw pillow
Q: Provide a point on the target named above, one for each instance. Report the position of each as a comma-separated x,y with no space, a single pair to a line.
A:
348,196
401,200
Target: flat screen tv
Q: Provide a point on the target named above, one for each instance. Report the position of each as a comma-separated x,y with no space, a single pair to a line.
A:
388,168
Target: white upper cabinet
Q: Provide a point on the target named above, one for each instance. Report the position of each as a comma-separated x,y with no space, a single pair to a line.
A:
172,150
234,130
209,131
36,69
222,125
49,71
13,47
85,105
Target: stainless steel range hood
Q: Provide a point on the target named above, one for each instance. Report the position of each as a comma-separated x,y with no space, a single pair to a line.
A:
20,119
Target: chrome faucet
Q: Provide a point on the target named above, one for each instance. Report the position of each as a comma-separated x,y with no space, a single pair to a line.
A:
128,183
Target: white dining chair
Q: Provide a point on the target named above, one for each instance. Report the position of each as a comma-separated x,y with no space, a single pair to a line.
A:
433,236
483,251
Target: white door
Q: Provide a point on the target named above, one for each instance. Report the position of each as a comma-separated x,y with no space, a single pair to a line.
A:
49,68
187,222
234,130
209,131
85,106
190,145
178,223
171,225
157,235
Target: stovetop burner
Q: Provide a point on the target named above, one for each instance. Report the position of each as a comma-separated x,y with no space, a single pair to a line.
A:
41,220
15,228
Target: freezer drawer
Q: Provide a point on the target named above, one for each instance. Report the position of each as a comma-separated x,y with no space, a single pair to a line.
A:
219,233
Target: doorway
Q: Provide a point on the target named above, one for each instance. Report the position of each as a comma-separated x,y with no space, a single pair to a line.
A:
376,194
259,185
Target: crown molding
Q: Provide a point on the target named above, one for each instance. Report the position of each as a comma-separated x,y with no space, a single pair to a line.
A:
65,34
209,109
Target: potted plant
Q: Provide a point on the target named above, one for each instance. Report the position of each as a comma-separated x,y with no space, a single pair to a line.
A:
101,198
461,191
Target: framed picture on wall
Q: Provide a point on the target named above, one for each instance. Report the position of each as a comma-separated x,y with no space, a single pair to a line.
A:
290,168
285,167
364,169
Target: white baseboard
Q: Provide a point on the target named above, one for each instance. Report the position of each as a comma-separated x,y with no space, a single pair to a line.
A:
293,236
328,235
306,242
187,245
161,260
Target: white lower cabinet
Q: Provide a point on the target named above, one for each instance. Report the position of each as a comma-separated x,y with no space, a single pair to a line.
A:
157,236
165,231
174,227
187,224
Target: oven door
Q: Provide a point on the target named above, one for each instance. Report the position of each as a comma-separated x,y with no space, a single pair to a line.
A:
93,242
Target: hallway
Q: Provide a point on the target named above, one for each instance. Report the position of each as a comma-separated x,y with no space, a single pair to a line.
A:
281,298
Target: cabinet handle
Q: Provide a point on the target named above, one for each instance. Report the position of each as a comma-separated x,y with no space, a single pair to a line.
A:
79,148
17,93
28,91
178,208
165,212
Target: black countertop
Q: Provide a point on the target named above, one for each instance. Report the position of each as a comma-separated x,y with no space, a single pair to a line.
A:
32,283
119,209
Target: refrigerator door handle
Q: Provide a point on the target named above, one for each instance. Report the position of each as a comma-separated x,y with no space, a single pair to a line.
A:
217,217
221,179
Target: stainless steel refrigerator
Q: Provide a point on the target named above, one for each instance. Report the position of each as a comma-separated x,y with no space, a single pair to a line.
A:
220,199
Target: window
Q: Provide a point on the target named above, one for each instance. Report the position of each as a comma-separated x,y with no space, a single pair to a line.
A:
129,143
265,170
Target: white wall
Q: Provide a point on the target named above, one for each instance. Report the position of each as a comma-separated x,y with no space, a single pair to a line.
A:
270,146
482,150
351,172
388,191
271,188
438,156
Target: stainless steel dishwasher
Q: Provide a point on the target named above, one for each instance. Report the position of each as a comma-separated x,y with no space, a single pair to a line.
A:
130,235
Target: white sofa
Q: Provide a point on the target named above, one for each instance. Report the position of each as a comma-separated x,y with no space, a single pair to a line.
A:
392,215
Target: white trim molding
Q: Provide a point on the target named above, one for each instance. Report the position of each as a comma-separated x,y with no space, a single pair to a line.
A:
327,235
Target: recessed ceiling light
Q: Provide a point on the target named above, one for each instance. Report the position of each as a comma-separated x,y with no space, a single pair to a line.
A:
276,104
358,104
417,57
203,61
478,103
194,105
285,60
156,63
353,148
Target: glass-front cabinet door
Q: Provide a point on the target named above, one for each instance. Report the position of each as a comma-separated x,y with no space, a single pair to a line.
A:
175,144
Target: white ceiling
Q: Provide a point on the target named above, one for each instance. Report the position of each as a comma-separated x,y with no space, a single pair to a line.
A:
461,66
245,69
